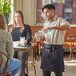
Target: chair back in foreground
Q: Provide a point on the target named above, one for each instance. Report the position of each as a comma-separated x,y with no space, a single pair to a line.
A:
5,70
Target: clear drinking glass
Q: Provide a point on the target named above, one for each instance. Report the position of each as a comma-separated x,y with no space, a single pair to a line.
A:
37,36
49,32
22,41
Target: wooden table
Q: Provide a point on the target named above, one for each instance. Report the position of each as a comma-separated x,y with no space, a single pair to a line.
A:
27,49
72,39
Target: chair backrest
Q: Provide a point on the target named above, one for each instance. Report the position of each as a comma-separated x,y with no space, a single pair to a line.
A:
1,59
34,29
68,33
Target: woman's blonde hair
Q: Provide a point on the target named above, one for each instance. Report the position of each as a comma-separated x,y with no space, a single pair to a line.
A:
2,22
14,23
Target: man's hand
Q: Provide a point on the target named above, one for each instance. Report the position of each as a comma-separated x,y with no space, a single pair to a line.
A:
45,30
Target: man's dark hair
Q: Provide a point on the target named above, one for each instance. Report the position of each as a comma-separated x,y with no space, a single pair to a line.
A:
48,6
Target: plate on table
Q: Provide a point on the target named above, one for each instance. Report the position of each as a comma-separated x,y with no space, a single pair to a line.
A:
16,43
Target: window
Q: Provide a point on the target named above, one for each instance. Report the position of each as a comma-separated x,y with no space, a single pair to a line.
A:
68,11
12,12
7,8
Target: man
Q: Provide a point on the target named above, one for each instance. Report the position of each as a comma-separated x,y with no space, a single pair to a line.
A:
52,56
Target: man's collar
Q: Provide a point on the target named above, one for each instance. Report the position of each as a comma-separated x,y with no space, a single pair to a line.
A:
54,19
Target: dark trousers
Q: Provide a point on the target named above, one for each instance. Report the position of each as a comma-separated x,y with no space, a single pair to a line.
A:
48,73
23,57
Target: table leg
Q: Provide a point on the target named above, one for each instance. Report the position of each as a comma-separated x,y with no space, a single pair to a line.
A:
70,56
71,52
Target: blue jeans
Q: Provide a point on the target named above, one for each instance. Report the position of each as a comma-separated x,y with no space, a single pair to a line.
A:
13,65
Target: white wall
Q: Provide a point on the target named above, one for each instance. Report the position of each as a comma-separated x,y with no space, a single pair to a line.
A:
28,7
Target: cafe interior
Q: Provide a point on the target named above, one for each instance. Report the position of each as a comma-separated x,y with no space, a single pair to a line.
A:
34,17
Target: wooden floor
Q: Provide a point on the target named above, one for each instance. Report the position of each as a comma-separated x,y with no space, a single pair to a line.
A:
69,70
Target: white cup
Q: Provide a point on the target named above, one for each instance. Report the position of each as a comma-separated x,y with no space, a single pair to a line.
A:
22,41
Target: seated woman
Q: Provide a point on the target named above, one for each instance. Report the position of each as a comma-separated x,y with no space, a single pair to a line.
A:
6,46
18,29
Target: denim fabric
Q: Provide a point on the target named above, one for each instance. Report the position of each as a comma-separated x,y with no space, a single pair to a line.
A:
13,65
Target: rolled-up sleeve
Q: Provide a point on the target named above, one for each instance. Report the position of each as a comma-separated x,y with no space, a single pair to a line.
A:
64,22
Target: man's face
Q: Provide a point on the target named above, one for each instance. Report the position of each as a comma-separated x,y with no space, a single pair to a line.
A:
49,14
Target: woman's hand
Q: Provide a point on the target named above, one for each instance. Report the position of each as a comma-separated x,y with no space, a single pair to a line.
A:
25,42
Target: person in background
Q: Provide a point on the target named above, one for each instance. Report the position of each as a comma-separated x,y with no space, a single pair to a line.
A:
52,55
19,29
6,46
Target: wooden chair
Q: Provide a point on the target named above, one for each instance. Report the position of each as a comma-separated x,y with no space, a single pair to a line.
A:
5,70
70,41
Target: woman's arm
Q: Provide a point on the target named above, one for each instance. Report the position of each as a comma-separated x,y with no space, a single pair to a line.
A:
28,33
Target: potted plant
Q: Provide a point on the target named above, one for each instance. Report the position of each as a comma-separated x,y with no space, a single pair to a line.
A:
5,8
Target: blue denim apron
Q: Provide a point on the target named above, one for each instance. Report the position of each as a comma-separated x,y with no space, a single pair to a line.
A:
52,58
